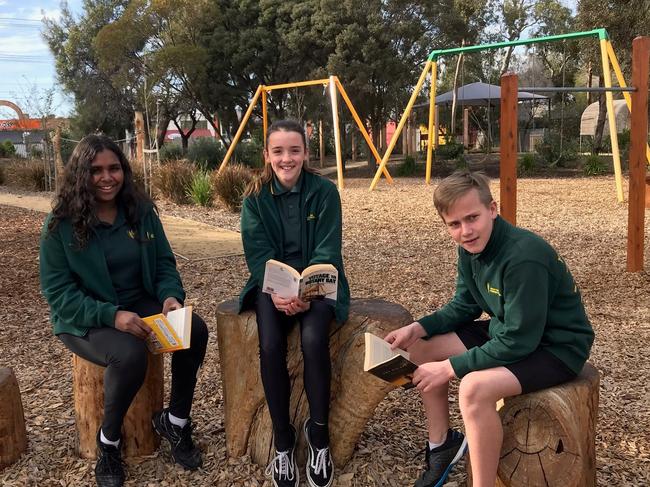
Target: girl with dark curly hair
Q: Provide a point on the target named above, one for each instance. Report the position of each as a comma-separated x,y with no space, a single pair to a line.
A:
104,263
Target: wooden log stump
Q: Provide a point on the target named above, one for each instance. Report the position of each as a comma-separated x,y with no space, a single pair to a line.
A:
354,397
137,432
549,435
13,437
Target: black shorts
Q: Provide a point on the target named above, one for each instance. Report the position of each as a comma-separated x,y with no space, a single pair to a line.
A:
540,370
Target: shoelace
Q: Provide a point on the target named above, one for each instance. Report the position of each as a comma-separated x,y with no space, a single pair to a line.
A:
285,468
320,462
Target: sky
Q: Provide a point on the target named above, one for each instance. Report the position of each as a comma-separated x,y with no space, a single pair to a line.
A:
25,60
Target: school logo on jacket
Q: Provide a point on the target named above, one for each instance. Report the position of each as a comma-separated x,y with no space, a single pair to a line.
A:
131,234
311,217
493,290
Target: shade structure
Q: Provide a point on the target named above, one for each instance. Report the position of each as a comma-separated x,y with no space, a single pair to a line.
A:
479,94
589,119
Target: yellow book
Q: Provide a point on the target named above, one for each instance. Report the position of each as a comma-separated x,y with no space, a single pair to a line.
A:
171,332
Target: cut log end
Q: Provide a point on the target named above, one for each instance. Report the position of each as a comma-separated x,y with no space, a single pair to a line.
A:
13,436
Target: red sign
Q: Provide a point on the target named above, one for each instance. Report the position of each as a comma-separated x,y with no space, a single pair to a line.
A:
25,124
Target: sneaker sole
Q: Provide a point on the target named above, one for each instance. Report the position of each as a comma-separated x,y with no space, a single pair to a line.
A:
459,454
275,484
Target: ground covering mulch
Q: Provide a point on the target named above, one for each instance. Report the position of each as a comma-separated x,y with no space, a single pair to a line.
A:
395,248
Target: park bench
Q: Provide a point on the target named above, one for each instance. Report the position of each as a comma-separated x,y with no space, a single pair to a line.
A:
355,394
13,436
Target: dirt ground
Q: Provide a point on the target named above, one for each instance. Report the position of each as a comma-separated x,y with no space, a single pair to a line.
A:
396,249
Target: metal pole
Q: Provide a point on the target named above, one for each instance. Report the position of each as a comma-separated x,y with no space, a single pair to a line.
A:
337,133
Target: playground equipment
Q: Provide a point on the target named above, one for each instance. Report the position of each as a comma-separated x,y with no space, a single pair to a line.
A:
607,56
333,84
638,187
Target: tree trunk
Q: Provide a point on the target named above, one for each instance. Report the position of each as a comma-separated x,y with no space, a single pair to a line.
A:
600,124
13,437
355,394
549,435
137,432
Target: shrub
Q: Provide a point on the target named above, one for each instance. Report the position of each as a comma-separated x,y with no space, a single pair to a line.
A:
450,150
249,153
594,166
171,152
36,152
461,162
24,174
206,153
549,150
200,190
526,163
406,168
230,185
7,149
173,179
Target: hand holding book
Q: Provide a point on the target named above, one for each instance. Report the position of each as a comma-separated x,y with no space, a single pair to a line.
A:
390,365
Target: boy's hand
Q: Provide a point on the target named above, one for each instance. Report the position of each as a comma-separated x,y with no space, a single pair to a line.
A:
131,323
406,336
433,374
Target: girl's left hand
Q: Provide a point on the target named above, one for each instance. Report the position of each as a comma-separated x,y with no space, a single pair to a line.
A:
170,304
297,306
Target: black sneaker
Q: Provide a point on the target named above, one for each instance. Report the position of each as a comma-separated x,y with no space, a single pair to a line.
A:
180,439
109,469
320,469
440,460
283,469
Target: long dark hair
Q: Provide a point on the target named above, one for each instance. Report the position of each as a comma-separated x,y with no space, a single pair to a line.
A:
266,175
76,201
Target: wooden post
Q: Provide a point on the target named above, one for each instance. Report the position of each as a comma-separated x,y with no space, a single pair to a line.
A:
466,128
321,142
437,128
58,159
137,432
508,166
638,140
13,436
432,136
139,138
354,146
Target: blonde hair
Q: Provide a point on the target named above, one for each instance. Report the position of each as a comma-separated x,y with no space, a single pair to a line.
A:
266,175
457,185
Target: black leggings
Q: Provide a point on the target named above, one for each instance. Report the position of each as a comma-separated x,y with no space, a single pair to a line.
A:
273,328
125,358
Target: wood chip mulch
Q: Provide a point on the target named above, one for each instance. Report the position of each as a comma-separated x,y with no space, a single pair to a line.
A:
395,248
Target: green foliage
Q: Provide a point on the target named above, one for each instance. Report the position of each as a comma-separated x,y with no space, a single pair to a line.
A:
36,152
249,153
171,151
230,184
2,174
406,168
461,162
549,150
7,149
206,153
173,179
594,165
526,163
200,189
450,150
26,174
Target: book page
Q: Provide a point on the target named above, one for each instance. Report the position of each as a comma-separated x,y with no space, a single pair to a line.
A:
378,351
181,322
280,279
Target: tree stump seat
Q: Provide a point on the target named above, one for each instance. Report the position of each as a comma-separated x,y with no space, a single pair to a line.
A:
138,436
549,435
354,397
13,436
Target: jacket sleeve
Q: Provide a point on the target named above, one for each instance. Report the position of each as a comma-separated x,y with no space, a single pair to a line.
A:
255,239
461,309
61,289
167,279
520,333
328,233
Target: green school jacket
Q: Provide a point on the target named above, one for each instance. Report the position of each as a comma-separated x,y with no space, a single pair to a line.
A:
77,285
530,295
321,239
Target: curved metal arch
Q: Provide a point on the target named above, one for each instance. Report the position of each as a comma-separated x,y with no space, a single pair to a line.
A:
14,107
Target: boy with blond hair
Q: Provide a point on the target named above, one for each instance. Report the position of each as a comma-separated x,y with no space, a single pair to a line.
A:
538,334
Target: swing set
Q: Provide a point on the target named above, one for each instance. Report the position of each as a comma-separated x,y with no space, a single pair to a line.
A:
333,84
607,56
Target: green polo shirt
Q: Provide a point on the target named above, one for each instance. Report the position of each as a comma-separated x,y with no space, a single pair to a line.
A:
123,258
288,203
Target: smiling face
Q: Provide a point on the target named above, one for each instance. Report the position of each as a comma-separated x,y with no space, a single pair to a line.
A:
470,222
286,152
106,177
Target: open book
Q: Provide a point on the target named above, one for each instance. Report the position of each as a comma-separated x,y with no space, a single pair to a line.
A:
390,365
318,281
171,332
